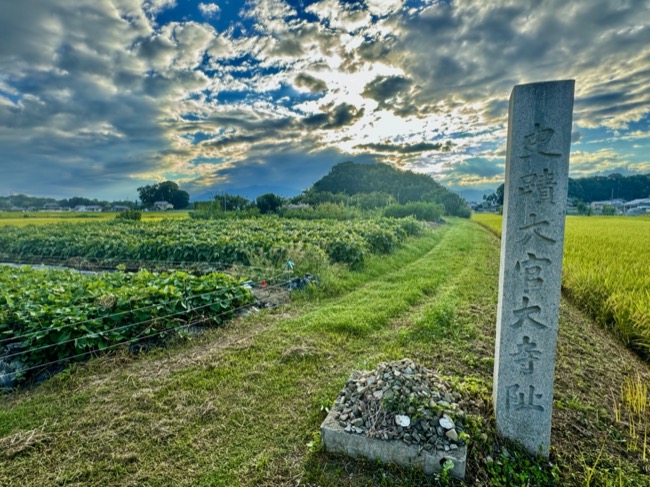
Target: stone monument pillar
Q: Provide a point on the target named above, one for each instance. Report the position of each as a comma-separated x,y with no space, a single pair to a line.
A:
532,240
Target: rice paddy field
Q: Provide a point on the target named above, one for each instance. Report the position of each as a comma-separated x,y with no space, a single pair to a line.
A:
606,272
46,217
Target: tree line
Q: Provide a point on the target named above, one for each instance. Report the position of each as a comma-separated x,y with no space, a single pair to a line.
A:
167,191
598,188
25,202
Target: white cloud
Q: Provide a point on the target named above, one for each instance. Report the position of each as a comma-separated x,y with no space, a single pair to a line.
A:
209,10
338,16
383,7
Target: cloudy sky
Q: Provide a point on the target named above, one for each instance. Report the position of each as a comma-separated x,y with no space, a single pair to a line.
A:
98,97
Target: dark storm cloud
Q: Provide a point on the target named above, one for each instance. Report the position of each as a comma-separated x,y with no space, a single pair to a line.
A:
376,49
313,84
285,171
76,125
337,117
249,131
384,88
483,48
395,93
408,148
480,167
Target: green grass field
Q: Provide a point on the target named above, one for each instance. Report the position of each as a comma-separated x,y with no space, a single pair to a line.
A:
242,405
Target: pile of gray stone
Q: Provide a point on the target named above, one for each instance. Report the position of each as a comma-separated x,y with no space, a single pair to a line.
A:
402,401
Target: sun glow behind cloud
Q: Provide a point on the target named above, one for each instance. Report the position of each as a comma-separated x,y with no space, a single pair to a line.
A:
101,96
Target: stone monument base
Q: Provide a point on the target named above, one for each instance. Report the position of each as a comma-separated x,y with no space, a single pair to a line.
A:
355,445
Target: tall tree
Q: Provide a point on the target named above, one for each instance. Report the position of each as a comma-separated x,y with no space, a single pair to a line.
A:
232,202
269,203
167,191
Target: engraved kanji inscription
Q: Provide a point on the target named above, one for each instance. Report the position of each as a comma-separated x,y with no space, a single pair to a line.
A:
532,269
524,317
526,355
541,186
532,227
517,401
535,142
546,186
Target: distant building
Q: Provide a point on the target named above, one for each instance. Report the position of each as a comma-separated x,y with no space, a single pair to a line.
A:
597,206
162,206
51,207
120,208
637,207
86,208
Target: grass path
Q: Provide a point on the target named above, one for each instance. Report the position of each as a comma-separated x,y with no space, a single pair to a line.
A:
239,405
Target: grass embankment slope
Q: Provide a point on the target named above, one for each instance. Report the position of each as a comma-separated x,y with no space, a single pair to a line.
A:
47,217
239,405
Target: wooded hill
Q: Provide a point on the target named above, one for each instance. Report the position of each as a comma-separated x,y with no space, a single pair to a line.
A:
352,179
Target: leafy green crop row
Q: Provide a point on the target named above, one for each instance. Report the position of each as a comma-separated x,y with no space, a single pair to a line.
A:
225,241
607,271
47,316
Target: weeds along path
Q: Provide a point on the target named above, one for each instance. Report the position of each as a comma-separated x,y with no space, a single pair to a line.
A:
239,405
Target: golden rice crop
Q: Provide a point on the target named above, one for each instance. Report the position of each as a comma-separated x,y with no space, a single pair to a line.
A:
606,271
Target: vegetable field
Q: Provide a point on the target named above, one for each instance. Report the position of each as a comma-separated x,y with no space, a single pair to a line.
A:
49,316
607,271
227,242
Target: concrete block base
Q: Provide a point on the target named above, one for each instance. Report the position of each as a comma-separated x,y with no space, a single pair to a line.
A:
355,445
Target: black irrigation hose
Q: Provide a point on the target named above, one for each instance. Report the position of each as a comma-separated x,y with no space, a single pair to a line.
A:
131,341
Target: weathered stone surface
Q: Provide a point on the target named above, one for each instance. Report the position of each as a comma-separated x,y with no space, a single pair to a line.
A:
336,439
403,426
535,192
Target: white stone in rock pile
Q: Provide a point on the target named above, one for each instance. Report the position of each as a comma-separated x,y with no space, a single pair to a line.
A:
402,420
401,401
446,422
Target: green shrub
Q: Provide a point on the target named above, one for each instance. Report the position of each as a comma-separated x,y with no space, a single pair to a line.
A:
381,241
133,215
421,211
372,201
330,211
212,211
346,251
411,227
